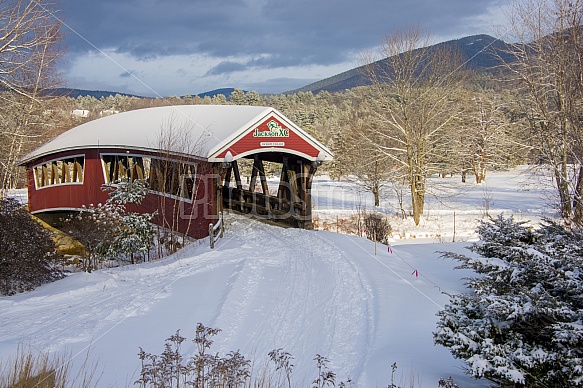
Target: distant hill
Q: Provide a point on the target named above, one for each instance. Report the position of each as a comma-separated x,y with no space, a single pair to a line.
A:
74,93
224,91
476,50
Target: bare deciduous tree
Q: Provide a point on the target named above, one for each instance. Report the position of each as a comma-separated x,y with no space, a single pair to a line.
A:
414,88
29,48
487,136
548,65
357,158
177,177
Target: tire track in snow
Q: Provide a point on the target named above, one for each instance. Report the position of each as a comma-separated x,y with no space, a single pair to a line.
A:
309,300
354,321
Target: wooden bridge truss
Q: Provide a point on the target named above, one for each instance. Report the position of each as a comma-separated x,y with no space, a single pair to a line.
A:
292,205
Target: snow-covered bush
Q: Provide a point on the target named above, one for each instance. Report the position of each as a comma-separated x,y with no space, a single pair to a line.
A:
110,230
522,322
28,256
94,228
134,234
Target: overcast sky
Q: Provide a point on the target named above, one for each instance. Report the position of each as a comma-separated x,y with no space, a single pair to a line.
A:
175,47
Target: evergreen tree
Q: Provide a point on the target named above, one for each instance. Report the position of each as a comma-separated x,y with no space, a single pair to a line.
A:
133,234
522,322
111,230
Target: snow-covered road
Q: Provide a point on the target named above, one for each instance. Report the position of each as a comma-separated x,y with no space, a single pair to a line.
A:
265,287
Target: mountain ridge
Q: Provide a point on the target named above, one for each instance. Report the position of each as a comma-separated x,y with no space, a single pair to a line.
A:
476,51
74,93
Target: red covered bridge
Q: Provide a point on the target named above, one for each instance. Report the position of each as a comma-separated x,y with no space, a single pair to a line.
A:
189,155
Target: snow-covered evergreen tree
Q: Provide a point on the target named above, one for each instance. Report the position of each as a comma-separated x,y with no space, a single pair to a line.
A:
522,322
133,233
110,230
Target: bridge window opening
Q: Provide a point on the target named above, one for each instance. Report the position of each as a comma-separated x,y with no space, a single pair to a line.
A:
125,168
173,178
167,177
59,172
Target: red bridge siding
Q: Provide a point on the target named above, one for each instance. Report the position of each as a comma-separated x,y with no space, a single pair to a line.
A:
188,218
292,143
68,196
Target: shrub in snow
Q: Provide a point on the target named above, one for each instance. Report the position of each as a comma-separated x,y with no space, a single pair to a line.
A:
447,383
111,231
94,228
522,322
133,233
204,369
283,363
170,369
31,369
28,256
325,377
377,227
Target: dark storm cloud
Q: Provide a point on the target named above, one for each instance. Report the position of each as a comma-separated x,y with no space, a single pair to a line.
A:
277,33
226,67
130,74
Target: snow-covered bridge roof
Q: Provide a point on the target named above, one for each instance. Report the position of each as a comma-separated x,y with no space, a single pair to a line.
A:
204,131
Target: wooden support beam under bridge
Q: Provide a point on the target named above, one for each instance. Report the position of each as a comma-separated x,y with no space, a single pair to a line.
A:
292,205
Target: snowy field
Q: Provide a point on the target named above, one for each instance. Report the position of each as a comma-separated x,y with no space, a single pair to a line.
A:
451,209
265,287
